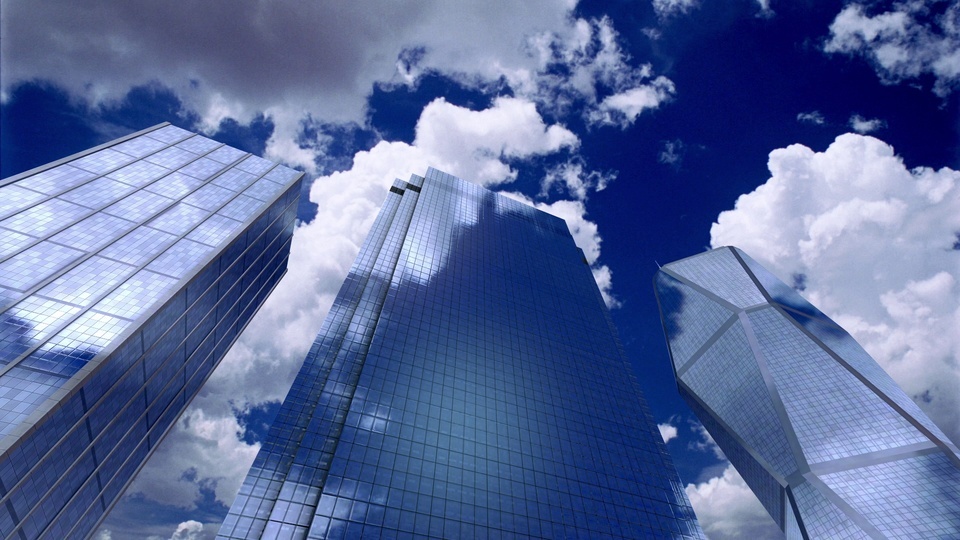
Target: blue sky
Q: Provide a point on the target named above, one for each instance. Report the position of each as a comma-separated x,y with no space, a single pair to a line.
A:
821,137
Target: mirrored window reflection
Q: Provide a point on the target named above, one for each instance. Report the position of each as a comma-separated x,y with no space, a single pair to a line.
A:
234,179
215,230
178,219
136,295
55,180
202,168
68,351
30,322
28,389
14,198
45,217
263,189
87,281
97,193
96,231
226,154
34,264
175,185
255,165
12,242
102,161
171,158
281,174
139,246
139,174
209,197
169,134
198,144
139,146
240,208
139,206
180,258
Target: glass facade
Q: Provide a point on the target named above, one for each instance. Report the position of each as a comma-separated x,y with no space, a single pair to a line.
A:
126,273
828,442
467,383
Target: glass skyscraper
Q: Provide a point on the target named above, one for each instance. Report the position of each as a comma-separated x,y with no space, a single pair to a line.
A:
126,273
467,383
828,442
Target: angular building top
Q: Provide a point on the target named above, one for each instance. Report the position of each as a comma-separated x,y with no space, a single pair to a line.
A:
829,443
467,382
126,272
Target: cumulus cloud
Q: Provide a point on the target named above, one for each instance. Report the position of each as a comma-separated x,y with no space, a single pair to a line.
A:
863,125
914,38
188,530
812,117
875,245
668,432
667,8
727,509
573,178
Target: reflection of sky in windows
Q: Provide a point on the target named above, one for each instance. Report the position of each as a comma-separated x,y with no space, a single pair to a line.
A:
139,146
139,174
255,165
263,189
136,295
34,264
44,217
55,180
102,161
179,219
85,300
95,231
14,198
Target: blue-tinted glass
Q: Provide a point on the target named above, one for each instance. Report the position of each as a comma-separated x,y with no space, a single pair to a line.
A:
462,386
84,316
803,412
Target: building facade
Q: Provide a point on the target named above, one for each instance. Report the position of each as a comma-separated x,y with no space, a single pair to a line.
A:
828,442
467,383
126,273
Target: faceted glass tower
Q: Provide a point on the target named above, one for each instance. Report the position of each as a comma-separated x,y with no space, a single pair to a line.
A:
467,383
831,446
126,272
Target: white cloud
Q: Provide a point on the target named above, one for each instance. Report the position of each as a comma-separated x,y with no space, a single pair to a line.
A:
727,509
909,41
766,11
188,530
672,152
469,144
103,534
875,242
572,177
863,125
812,117
666,8
668,432
623,108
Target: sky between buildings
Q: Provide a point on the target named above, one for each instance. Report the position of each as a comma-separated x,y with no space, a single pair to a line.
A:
821,137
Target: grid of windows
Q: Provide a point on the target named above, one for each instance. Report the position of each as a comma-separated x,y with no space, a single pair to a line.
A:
466,383
97,357
795,402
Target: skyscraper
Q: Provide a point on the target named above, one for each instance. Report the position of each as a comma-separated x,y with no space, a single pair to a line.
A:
126,273
467,382
828,442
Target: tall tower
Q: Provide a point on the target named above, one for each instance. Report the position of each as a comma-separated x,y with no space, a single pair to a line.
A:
831,446
126,273
467,382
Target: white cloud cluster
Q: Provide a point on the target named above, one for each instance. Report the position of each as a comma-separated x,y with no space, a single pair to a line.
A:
671,153
587,66
812,117
864,125
913,39
876,243
668,431
188,530
667,8
727,509
573,178
470,144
